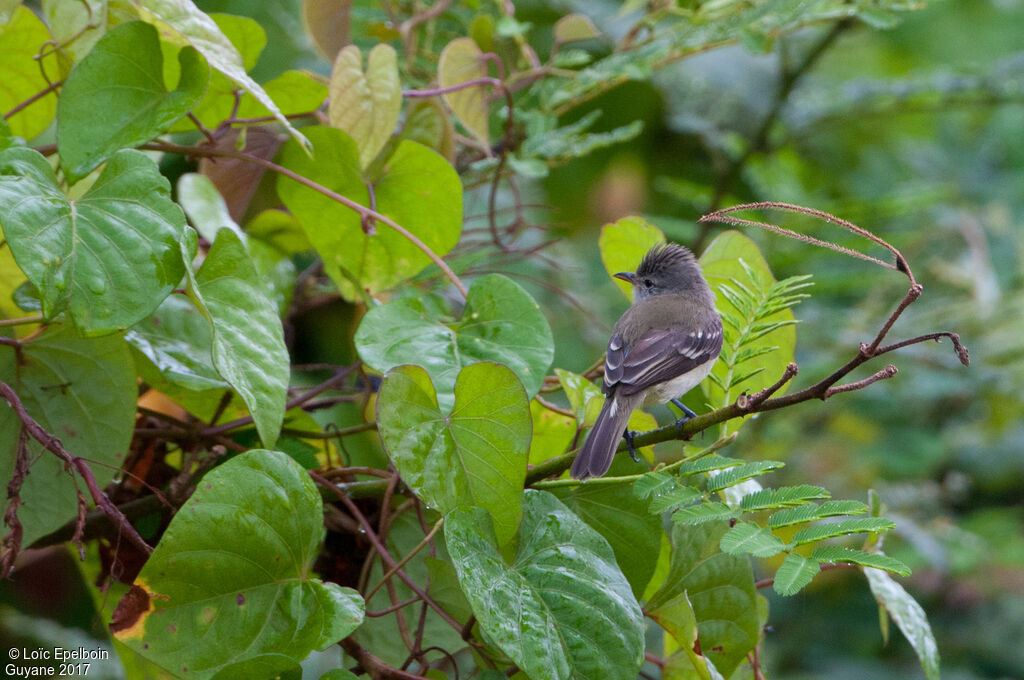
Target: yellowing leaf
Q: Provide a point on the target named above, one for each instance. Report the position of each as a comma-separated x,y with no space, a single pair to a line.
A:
623,244
327,22
462,61
20,41
574,27
366,105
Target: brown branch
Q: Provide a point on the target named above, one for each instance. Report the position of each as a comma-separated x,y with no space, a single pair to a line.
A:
746,402
12,540
52,444
98,524
961,351
656,660
297,401
393,608
724,216
38,318
376,667
887,372
33,99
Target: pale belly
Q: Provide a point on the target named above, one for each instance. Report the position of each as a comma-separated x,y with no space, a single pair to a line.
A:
677,387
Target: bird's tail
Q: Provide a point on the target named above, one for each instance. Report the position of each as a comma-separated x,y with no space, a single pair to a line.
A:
595,457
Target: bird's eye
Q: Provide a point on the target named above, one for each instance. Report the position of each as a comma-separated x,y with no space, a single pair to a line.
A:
648,283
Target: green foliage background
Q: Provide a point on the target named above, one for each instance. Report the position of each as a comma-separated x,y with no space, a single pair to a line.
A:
907,123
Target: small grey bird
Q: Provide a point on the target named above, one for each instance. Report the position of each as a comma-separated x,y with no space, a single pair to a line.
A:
660,349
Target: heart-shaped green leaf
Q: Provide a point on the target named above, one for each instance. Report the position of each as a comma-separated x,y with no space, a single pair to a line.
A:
366,105
97,114
475,455
500,323
182,23
561,609
462,61
231,575
248,340
418,189
721,589
109,257
81,390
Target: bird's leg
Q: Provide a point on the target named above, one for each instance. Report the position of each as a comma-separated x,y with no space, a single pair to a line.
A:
687,414
629,435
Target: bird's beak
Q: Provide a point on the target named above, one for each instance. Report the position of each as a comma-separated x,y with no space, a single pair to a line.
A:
627,276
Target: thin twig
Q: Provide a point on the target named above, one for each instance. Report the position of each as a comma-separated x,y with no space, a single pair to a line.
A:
887,372
405,560
34,98
392,609
297,401
748,402
383,551
52,444
38,318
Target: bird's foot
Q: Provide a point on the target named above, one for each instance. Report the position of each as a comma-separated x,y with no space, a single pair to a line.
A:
629,436
687,414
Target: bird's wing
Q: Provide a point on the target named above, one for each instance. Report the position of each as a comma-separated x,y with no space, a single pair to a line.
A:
656,356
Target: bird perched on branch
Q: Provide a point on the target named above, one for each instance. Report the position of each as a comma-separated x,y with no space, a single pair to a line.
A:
660,349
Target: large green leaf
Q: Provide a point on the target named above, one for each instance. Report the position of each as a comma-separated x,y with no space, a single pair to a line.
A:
720,588
475,455
745,353
366,105
81,390
500,323
622,518
909,616
248,340
98,114
623,244
561,609
20,41
418,189
182,23
230,580
110,257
